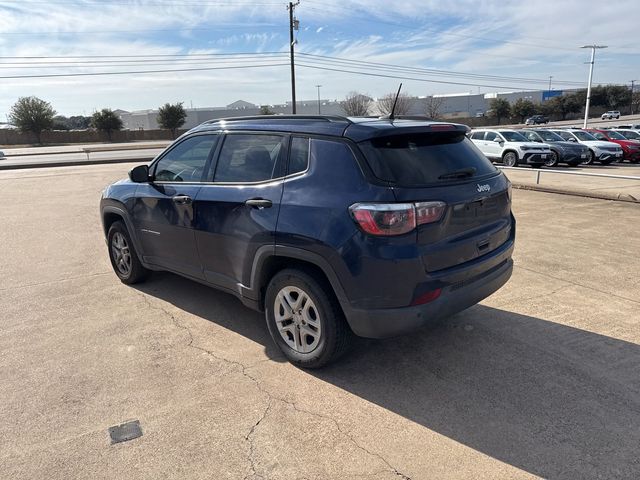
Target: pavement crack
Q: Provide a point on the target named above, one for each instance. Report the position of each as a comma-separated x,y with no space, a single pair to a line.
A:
249,437
252,447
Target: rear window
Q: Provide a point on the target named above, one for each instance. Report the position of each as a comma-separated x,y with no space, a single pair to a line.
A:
416,160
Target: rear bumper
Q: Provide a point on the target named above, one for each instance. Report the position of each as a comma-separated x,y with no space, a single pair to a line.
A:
455,297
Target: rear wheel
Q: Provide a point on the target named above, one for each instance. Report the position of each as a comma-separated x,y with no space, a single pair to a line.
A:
510,159
305,319
552,161
123,256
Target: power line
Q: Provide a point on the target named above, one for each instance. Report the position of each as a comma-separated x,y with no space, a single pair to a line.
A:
133,72
429,71
402,77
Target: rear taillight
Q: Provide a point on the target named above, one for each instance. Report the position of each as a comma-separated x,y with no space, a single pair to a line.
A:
387,219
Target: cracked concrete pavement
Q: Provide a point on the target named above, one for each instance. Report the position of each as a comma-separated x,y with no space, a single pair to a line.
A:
540,380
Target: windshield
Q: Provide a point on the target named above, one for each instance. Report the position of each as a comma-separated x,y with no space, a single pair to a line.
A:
513,136
615,135
421,159
548,136
584,136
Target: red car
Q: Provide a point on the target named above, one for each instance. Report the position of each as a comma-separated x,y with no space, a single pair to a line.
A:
630,148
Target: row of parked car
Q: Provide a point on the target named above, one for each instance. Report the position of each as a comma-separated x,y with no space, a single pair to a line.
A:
556,146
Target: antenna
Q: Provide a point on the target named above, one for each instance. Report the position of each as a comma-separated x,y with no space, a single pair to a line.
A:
395,101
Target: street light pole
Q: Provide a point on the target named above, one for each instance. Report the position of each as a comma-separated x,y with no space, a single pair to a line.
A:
632,86
593,57
550,77
318,87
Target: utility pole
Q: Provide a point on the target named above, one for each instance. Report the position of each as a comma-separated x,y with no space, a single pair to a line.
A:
550,77
593,57
318,87
293,25
632,86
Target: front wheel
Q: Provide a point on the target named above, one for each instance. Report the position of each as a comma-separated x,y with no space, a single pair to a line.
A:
305,319
510,159
590,158
552,161
123,255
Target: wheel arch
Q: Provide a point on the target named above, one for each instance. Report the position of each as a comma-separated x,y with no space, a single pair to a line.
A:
270,261
114,213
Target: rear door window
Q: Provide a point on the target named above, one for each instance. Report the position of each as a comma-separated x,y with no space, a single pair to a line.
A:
422,159
477,135
251,158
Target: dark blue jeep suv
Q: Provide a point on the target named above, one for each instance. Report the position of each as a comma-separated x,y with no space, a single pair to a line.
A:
331,225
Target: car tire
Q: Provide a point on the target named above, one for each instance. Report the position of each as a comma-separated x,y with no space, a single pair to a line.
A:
317,334
590,158
510,159
123,255
553,159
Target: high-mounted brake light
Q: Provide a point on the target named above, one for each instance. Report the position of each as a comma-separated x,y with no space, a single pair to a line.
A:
442,126
386,219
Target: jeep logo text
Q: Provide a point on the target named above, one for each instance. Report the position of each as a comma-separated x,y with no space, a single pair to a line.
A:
483,188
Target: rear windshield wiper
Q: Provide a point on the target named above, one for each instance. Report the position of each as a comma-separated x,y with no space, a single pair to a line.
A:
462,173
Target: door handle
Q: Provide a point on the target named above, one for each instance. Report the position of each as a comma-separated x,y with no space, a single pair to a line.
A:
182,199
259,203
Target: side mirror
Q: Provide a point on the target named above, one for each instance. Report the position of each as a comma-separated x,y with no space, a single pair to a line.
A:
572,139
497,140
139,174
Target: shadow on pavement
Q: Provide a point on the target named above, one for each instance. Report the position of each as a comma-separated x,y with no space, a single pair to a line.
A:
553,400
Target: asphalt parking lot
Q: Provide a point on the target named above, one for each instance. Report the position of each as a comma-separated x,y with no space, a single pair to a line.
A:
541,379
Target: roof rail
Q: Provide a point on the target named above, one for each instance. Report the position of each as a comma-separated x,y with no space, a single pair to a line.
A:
326,118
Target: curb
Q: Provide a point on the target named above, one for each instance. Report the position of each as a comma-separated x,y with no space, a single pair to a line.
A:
73,163
617,197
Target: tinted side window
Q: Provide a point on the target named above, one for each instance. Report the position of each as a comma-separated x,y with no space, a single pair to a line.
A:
299,156
477,135
249,158
491,136
600,136
186,161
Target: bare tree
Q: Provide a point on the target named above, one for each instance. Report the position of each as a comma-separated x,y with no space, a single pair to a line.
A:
385,104
433,106
356,104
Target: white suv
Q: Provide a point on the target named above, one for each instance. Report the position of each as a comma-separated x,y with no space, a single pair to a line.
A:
610,114
604,152
510,147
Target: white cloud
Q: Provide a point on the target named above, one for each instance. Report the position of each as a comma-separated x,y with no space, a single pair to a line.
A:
467,36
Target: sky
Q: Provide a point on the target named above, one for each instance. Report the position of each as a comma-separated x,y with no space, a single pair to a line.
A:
238,49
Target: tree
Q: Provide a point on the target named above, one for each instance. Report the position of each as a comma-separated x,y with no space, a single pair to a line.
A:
356,104
265,110
106,121
403,105
500,108
565,104
433,106
617,96
522,109
171,117
31,114
635,102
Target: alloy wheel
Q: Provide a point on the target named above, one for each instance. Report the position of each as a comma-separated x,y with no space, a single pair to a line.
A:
297,319
121,253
